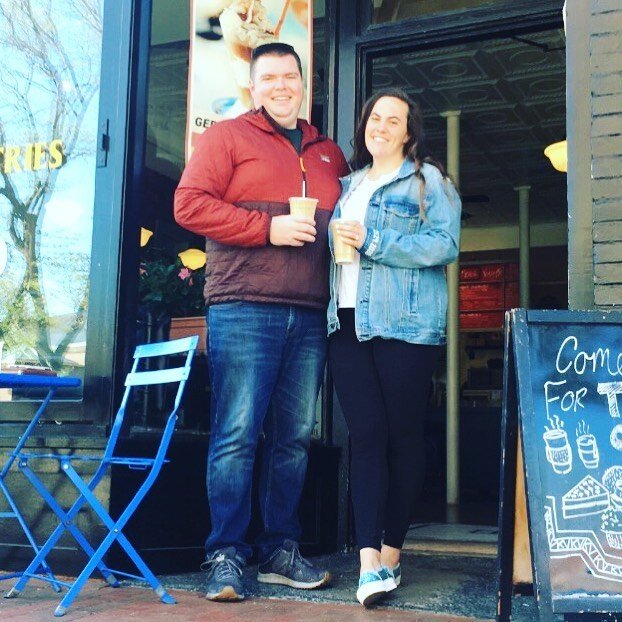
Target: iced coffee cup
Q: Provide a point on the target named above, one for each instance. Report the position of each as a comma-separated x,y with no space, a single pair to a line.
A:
344,253
244,27
302,206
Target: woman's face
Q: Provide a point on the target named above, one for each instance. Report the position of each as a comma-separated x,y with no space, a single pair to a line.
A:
386,129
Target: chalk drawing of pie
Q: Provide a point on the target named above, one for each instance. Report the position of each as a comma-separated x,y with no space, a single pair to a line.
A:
587,497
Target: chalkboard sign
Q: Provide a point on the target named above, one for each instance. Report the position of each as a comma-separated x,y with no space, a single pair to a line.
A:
563,392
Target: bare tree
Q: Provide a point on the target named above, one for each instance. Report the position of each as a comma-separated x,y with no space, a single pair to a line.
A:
41,64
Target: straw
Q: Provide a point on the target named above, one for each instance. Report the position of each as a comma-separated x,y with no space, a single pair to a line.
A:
304,181
277,30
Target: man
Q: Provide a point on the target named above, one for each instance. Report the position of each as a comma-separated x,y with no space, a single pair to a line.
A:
266,294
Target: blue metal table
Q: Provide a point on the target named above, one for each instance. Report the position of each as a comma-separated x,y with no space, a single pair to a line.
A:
15,381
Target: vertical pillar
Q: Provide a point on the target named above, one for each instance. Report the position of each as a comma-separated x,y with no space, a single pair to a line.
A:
523,243
522,555
453,336
579,100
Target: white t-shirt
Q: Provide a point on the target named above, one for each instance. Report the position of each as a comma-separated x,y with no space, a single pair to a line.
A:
355,208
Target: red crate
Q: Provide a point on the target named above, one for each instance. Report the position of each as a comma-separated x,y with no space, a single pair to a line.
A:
490,272
512,295
493,272
481,296
470,273
483,300
482,319
511,272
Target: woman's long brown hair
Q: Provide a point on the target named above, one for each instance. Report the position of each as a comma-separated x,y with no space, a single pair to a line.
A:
415,148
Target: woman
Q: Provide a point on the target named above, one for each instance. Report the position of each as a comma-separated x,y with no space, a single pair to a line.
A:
386,321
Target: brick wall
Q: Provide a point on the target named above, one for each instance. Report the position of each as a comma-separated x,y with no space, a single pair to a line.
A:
606,148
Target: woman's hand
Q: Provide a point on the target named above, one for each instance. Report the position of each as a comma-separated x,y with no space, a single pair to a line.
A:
352,232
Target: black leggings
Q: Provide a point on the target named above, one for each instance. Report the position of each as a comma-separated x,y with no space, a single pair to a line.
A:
383,387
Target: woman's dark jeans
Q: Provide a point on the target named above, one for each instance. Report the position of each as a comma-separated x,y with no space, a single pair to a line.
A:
383,387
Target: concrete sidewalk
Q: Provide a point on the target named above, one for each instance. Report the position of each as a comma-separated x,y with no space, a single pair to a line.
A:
434,589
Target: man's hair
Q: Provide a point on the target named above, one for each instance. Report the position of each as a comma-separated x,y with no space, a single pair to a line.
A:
274,49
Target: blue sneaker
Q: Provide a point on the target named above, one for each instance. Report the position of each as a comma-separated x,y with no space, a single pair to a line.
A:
371,588
390,582
395,575
224,579
286,566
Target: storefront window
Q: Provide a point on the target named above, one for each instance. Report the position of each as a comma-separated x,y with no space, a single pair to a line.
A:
50,79
162,310
396,10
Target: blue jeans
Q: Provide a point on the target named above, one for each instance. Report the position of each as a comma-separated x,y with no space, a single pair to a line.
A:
266,363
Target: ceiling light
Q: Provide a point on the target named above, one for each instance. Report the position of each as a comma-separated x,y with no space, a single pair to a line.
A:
557,153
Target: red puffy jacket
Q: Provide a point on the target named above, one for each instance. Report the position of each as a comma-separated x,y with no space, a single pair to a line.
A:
240,175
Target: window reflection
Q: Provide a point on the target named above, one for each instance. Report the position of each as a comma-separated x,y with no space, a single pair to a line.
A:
48,133
163,165
396,10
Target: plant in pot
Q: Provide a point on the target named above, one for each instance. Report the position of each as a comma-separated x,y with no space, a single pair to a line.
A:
168,290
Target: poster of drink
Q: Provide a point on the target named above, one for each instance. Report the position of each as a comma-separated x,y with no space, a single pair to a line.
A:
223,35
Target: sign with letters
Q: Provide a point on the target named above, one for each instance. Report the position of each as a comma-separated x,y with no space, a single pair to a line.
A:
563,394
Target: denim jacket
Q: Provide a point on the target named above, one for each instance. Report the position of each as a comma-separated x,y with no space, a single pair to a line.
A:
402,290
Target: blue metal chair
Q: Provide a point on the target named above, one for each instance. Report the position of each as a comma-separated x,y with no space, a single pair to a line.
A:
152,466
19,381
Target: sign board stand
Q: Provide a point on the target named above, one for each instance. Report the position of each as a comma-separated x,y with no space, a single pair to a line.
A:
562,381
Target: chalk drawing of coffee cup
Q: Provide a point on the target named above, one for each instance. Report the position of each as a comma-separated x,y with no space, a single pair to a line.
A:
558,451
588,451
587,447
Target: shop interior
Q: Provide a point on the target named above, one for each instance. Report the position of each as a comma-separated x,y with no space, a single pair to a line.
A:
510,92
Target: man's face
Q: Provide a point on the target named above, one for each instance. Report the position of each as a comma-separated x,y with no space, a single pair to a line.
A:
276,84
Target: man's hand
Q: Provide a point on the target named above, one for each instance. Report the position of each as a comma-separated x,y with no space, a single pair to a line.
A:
290,230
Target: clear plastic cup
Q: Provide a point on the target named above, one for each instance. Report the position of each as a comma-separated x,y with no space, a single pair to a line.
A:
344,253
302,206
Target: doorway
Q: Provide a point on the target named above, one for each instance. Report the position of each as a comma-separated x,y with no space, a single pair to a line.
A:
510,93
